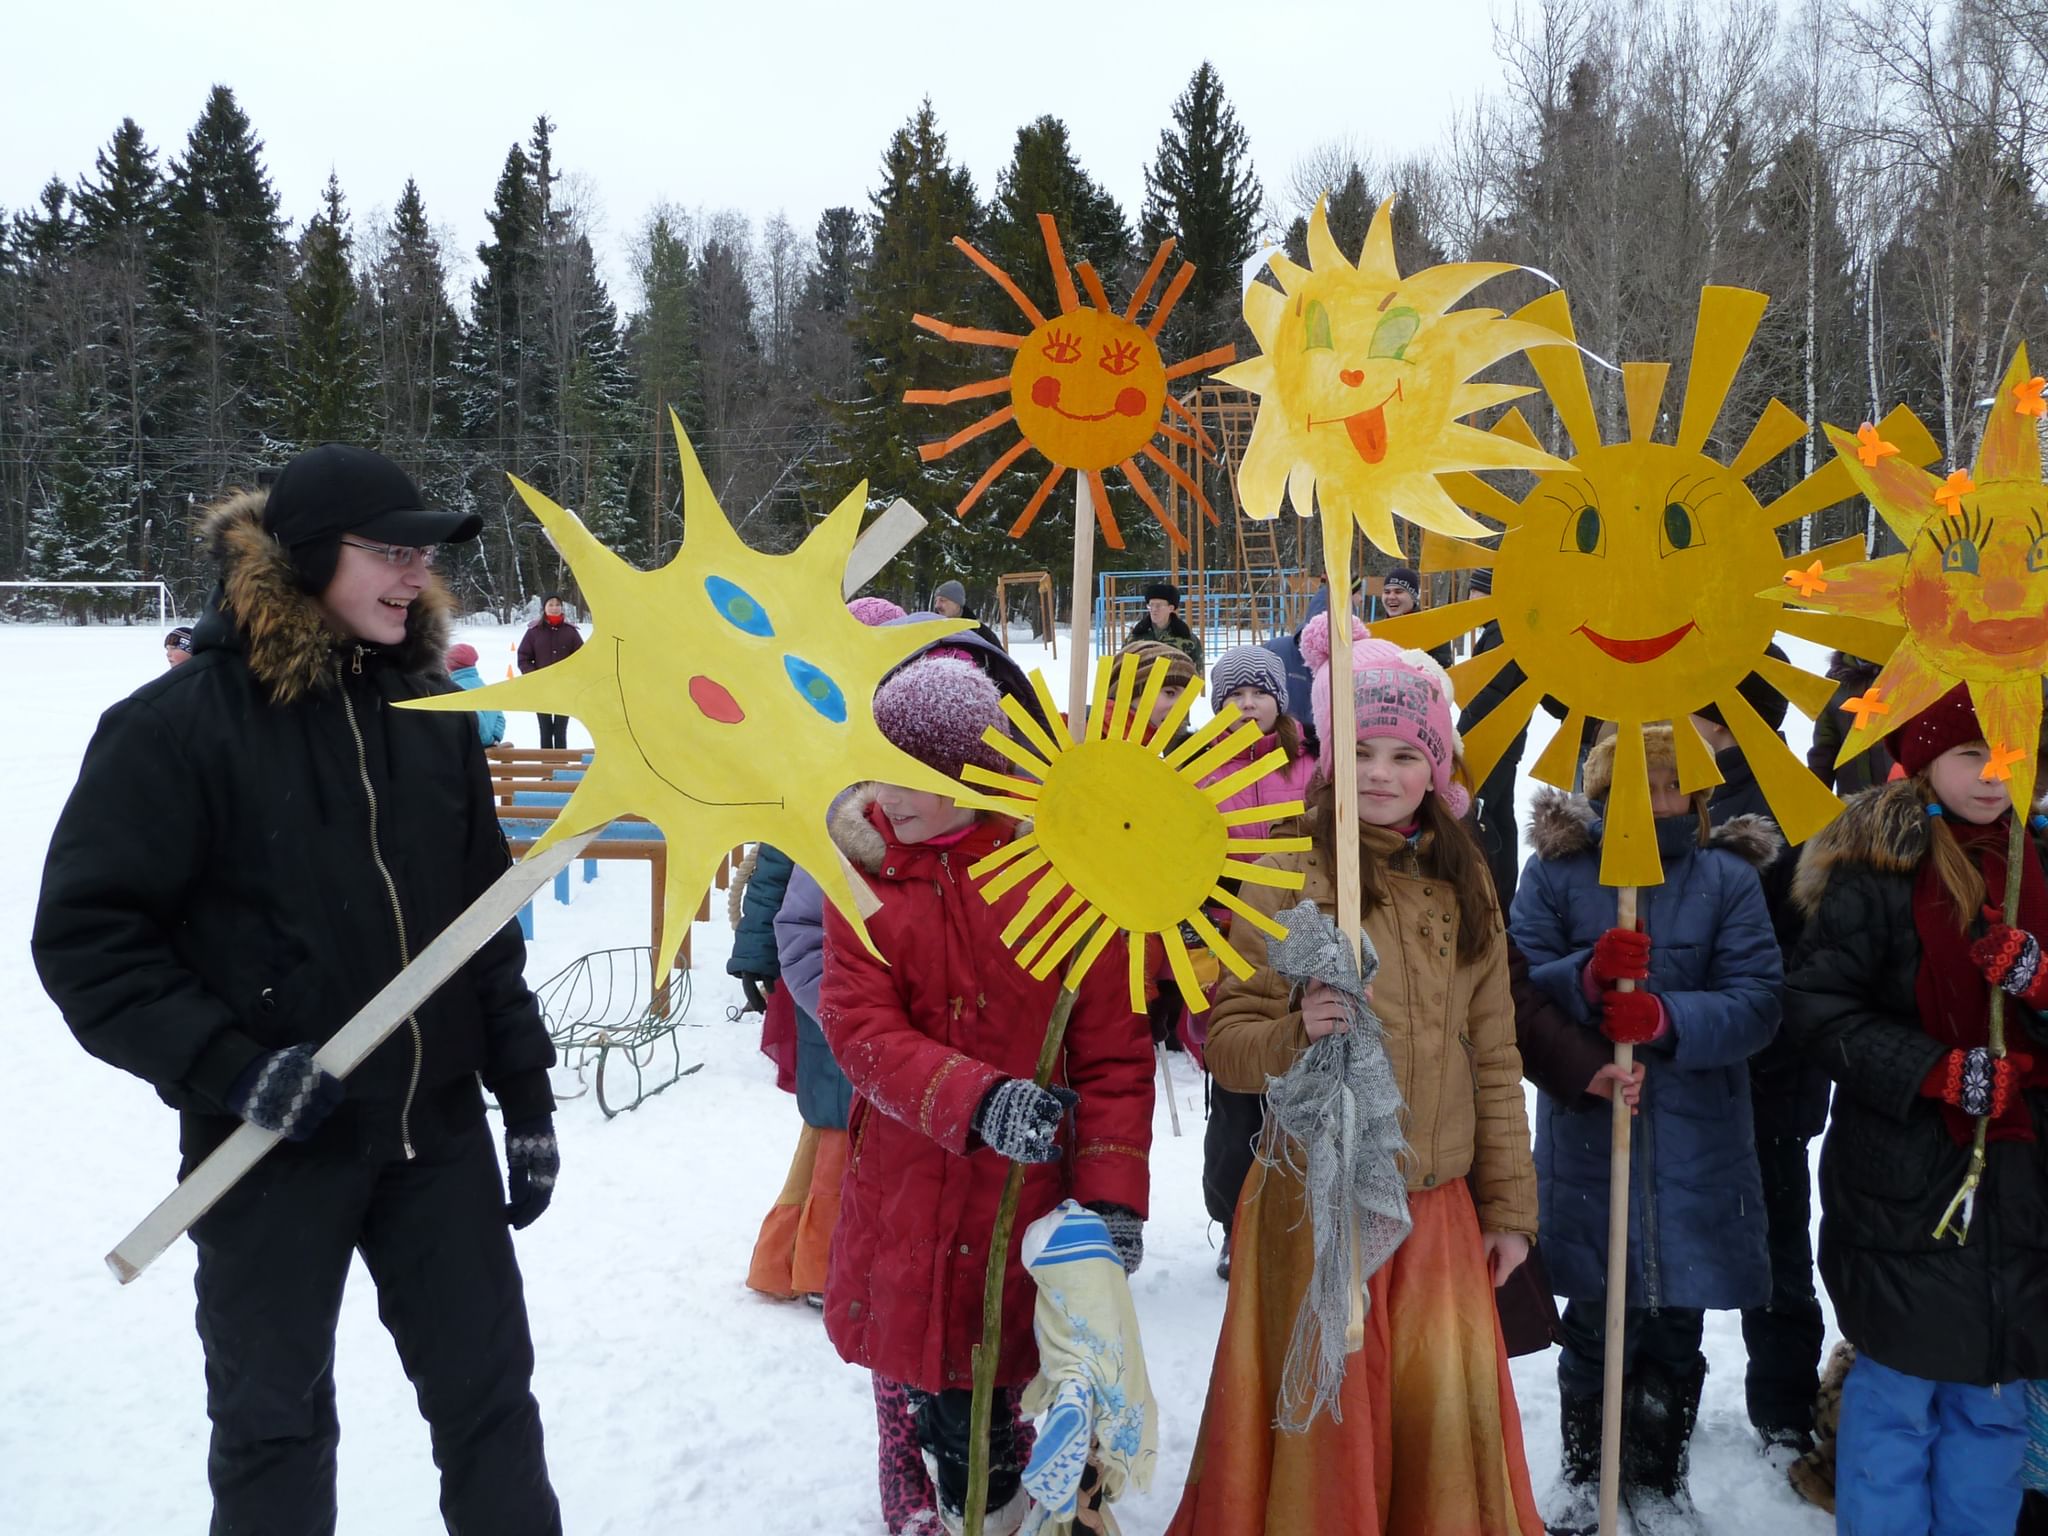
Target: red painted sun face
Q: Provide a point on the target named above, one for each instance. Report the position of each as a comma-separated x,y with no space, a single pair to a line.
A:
1088,388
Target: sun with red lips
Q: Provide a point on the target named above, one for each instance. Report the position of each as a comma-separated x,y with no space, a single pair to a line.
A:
1088,388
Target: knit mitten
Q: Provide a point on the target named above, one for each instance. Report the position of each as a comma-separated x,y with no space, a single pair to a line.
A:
286,1092
533,1160
1126,1232
1631,1018
1022,1120
1621,954
1975,1081
2011,958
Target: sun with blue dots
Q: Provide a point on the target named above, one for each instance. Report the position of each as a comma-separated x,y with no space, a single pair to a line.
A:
727,694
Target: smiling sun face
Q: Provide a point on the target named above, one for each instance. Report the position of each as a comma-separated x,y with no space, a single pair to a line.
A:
728,695
1971,589
1627,585
1362,376
1086,389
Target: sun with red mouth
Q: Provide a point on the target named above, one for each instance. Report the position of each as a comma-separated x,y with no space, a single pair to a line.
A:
1362,376
1088,388
1627,583
1971,589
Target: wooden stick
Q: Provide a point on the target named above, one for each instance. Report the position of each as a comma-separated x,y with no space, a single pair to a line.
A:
1081,637
1617,1259
1166,1077
882,542
374,1022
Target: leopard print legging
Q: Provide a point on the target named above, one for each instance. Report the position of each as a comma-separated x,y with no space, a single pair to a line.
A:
906,1485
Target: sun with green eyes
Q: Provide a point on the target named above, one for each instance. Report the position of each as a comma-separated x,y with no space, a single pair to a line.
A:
1627,584
727,694
1362,376
1971,588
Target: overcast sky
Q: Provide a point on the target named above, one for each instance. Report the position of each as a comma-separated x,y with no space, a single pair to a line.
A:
750,105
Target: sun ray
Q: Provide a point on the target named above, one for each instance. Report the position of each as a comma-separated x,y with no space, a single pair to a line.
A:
1906,685
978,390
1488,740
1223,750
1014,849
1123,686
1194,424
1008,783
1628,843
1215,357
1475,495
1177,961
1092,284
1008,457
1475,672
1150,497
1697,769
1642,385
1091,952
1016,752
972,334
1557,761
1181,478
1168,299
1808,693
1514,426
1026,724
1038,497
1049,886
1151,275
1776,430
1070,937
1800,803
1002,883
1028,952
1263,874
1235,904
2011,717
1728,318
1431,627
1164,731
1443,552
1105,519
1202,737
988,423
1562,370
1858,637
1141,713
1219,946
1003,280
1135,976
2011,446
1832,482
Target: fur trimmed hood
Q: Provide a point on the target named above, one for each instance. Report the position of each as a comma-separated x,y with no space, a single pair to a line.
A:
282,630
1563,825
864,847
1882,829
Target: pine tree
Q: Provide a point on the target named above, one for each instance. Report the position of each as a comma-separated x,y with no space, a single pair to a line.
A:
730,372
1044,177
330,392
597,416
662,352
824,346
75,534
1201,190
416,340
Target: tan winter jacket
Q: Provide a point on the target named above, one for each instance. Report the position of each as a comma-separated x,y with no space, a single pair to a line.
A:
1450,1028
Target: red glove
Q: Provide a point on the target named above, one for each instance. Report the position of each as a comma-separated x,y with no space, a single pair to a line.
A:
2010,958
1975,1081
1631,1018
1620,954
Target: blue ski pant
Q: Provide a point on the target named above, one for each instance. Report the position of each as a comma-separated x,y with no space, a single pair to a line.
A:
1927,1458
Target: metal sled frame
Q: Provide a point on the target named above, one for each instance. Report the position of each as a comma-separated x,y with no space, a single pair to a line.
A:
604,1005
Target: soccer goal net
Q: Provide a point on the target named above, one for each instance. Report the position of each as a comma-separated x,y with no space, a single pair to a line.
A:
87,602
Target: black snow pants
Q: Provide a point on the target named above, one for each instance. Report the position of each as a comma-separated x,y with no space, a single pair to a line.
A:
554,730
1228,1144
274,1255
944,1421
1784,1337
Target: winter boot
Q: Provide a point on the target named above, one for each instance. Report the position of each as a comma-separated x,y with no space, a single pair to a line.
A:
1656,1448
1574,1505
1223,1259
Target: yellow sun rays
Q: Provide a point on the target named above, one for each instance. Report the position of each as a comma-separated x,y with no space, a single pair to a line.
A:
1362,376
1971,589
1087,388
1627,583
1124,837
727,694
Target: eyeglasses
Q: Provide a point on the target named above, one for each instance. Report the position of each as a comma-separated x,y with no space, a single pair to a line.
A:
401,555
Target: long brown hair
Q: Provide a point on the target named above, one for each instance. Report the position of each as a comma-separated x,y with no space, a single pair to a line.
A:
1453,858
1960,878
1288,733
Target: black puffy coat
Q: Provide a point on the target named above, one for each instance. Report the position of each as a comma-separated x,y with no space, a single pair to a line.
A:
1926,1306
210,893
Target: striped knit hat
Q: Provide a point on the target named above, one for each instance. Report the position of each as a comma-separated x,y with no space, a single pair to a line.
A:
1247,666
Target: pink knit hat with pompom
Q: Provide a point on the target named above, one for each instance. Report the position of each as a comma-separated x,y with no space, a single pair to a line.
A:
935,708
1403,694
874,611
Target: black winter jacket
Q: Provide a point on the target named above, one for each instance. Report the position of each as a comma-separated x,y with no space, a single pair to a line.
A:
258,841
1926,1306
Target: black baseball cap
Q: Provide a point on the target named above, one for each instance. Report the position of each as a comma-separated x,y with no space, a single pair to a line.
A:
339,488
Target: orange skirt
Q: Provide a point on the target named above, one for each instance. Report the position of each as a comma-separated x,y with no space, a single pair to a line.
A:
1431,1443
796,1238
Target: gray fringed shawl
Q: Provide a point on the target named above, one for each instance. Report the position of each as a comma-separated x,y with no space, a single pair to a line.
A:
1338,1113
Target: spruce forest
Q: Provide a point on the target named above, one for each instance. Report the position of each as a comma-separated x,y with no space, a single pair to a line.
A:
164,334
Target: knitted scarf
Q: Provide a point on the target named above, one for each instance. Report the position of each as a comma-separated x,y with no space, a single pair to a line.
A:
1954,998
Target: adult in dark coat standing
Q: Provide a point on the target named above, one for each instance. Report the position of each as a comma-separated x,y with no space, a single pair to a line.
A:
549,639
257,843
1788,1095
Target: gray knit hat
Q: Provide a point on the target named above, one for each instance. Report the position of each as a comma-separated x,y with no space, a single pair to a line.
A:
951,589
1243,664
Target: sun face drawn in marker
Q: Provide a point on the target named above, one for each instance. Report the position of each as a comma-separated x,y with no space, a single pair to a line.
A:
1362,376
727,694
1626,584
1971,588
1087,388
1124,836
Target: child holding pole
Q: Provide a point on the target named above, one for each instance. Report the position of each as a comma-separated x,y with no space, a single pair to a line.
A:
940,1037
1906,946
1706,971
1423,1434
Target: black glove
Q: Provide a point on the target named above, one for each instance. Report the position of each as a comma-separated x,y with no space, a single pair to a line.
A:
756,1001
1126,1232
286,1092
1022,1120
532,1160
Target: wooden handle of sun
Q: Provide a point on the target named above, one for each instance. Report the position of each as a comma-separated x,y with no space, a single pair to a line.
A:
881,542
1337,532
1617,1260
374,1022
1081,636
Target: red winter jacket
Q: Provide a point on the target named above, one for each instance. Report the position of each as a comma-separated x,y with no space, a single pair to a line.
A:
923,1039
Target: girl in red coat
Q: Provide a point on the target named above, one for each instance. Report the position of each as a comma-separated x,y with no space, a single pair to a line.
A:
940,1038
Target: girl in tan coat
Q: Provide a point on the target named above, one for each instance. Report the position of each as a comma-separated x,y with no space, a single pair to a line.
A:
1428,1440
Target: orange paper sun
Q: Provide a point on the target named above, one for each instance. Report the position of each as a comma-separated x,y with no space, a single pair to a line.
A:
1971,588
1087,388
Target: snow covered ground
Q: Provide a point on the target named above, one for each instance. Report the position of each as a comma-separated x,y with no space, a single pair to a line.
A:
674,1398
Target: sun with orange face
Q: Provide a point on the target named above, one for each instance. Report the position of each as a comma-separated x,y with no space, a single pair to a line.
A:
1971,589
1087,389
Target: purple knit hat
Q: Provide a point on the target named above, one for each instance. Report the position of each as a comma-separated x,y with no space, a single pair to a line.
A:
1403,694
935,708
874,611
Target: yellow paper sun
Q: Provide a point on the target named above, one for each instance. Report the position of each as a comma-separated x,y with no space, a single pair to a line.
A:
1626,585
1362,377
727,693
1971,590
1125,838
1086,389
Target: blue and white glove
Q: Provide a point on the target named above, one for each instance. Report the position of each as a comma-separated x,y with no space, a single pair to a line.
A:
286,1092
533,1160
1022,1120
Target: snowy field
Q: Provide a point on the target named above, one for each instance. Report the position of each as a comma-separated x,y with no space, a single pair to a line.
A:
674,1398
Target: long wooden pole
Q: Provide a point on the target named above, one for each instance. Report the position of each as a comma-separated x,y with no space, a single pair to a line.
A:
1081,637
1617,1260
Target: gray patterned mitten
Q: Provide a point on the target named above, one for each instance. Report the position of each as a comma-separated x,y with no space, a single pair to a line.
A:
286,1092
1022,1120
